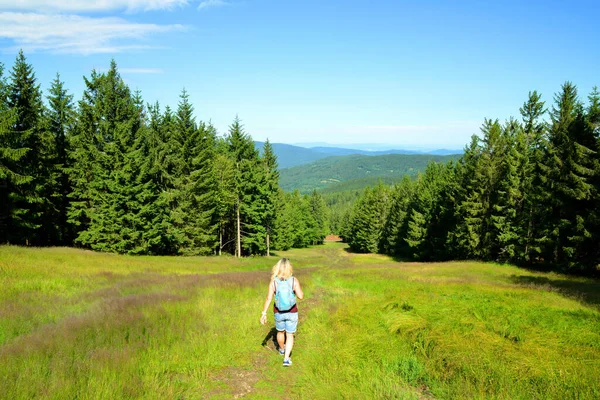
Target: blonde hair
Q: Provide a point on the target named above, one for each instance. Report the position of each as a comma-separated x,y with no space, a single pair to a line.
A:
282,270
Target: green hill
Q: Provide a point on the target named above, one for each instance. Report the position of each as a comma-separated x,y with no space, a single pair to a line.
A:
355,171
290,156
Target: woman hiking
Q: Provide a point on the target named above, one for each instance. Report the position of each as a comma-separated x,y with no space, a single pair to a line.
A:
285,287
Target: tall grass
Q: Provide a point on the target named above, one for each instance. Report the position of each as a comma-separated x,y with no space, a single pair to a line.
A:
78,324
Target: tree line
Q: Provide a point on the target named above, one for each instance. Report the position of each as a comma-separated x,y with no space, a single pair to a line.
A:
111,173
525,191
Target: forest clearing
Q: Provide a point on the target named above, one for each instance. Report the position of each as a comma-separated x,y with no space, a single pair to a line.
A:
81,324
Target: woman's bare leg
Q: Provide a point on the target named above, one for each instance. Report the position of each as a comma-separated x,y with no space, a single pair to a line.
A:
281,339
289,343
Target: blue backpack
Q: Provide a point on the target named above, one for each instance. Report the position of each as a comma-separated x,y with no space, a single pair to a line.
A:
285,298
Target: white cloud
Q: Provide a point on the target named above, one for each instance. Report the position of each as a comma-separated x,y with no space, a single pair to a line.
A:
212,3
69,6
76,34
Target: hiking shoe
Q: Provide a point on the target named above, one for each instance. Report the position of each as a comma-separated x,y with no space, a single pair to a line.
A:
282,351
287,363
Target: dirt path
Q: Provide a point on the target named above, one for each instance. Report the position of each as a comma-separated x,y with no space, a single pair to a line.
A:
265,377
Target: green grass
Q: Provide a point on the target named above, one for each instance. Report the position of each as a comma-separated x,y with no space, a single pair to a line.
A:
78,324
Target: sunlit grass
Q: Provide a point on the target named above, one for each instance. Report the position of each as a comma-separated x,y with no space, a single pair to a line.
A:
79,324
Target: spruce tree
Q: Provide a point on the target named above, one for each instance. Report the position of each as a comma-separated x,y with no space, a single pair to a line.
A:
283,235
443,221
204,188
104,171
148,205
61,117
505,215
590,248
318,216
367,220
298,220
192,149
10,180
568,170
468,234
426,233
248,182
531,177
394,231
225,197
29,200
269,160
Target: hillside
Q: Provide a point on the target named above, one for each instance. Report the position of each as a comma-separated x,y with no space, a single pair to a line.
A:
330,171
290,156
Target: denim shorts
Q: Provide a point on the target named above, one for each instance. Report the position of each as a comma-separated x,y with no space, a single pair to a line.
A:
286,322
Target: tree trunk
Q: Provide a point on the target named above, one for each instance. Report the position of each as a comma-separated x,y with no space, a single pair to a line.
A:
238,249
220,239
268,248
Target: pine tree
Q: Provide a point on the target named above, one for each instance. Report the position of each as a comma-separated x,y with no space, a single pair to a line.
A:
204,187
283,235
534,196
396,225
425,233
183,147
505,215
104,173
253,206
317,210
60,116
225,197
443,221
29,200
468,235
367,220
248,181
148,205
10,181
568,169
269,160
590,249
298,220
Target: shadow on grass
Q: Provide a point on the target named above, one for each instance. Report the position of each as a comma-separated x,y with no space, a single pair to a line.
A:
271,336
587,291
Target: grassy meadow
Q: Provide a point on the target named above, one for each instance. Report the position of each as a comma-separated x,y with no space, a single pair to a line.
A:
76,324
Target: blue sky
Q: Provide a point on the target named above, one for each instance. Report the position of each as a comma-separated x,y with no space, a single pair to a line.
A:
411,74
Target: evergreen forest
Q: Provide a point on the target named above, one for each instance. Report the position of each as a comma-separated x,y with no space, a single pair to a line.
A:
526,191
112,173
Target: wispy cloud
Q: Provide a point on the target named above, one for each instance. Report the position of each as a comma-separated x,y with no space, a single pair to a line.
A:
73,6
212,3
76,34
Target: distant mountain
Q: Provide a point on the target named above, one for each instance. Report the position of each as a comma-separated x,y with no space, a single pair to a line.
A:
444,152
336,151
330,171
289,155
